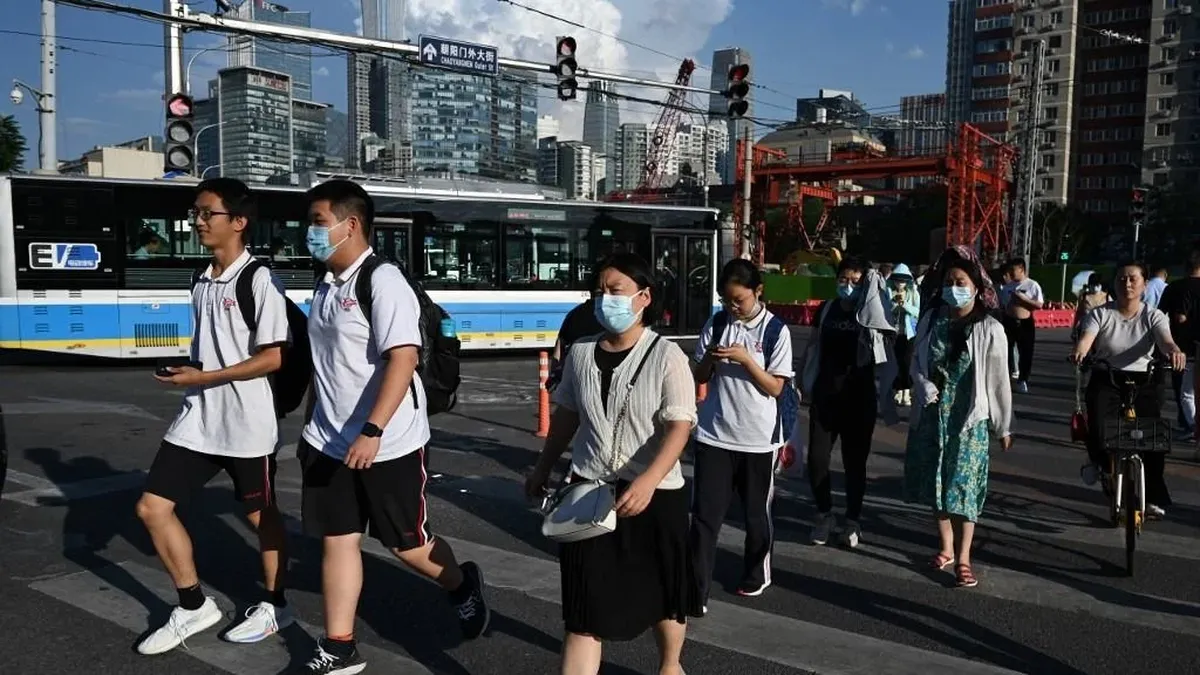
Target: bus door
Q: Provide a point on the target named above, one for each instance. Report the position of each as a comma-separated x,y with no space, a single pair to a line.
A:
685,265
392,240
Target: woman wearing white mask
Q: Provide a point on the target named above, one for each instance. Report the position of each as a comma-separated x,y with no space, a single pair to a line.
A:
628,400
961,392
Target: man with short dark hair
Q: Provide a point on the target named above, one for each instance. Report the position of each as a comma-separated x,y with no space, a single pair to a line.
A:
227,422
363,446
1155,286
1024,299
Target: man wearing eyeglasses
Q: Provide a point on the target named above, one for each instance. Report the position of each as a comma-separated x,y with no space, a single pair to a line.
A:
227,422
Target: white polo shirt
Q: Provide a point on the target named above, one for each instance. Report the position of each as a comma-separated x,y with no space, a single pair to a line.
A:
235,419
736,414
348,362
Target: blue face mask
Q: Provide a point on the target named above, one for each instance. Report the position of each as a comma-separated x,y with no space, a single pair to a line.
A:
318,241
957,296
616,314
846,291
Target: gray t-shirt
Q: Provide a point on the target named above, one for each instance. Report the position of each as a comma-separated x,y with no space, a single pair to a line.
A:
1127,344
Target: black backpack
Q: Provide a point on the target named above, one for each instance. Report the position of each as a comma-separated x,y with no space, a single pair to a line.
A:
290,383
439,365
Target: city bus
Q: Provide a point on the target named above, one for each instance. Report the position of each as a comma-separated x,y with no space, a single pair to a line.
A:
102,267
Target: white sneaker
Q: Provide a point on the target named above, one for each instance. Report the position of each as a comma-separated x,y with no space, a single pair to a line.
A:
852,534
907,397
183,624
822,529
1155,512
262,621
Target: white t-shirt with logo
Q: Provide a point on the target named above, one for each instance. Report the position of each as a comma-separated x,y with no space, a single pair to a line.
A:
349,359
736,414
235,419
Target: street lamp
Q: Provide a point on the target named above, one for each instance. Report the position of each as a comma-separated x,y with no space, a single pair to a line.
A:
45,107
196,141
187,72
205,171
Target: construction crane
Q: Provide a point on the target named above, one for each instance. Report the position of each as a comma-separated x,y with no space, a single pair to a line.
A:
662,142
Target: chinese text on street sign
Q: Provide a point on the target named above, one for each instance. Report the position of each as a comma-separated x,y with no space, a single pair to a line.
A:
465,56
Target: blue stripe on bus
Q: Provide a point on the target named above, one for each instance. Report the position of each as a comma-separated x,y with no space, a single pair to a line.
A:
100,321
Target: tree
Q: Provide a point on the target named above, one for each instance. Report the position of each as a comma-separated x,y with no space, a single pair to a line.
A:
1058,228
12,145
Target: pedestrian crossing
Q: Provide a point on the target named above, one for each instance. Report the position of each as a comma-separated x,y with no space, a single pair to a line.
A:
735,628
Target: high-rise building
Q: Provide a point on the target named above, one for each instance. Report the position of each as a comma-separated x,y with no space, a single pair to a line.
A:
309,134
832,105
723,60
547,160
471,124
922,130
383,19
254,114
601,118
293,59
374,85
336,134
547,126
575,166
692,142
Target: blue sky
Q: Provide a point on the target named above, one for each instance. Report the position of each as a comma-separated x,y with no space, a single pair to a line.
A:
110,67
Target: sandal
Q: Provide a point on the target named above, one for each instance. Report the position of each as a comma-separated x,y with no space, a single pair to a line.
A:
964,577
941,562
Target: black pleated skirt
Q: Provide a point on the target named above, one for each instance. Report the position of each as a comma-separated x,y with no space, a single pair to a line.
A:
617,585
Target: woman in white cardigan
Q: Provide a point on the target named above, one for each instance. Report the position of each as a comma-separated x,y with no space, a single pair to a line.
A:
961,400
628,400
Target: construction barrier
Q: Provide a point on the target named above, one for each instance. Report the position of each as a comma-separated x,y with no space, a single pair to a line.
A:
543,428
1054,318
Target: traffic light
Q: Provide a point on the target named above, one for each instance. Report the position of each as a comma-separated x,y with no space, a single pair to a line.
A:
1137,205
565,67
178,154
738,89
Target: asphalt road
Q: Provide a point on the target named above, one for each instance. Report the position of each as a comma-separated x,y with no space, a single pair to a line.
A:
79,581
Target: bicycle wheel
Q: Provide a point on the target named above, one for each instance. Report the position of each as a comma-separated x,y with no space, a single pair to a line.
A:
1129,497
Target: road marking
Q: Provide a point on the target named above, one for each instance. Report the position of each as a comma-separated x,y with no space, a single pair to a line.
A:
30,481
90,592
58,495
789,642
40,405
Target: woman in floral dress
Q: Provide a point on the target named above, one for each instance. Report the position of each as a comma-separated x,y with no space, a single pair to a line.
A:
961,399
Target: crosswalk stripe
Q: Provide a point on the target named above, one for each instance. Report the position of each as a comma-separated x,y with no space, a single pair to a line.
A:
90,592
797,644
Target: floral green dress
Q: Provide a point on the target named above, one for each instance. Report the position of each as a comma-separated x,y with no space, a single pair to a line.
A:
946,463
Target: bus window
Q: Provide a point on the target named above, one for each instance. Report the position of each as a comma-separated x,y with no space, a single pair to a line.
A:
149,241
460,255
537,256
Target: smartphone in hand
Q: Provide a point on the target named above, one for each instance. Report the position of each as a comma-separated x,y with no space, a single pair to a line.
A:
164,366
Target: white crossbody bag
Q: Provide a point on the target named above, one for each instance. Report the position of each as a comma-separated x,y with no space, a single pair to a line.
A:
587,508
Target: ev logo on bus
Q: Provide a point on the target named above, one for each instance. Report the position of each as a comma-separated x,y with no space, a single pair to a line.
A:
64,256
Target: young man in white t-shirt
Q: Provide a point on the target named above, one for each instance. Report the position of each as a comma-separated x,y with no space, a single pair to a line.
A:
363,448
227,423
1025,297
739,432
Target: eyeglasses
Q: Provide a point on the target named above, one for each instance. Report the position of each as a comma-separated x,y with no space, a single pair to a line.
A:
205,214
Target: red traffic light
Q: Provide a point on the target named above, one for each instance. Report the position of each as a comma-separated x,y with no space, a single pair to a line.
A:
566,46
180,105
1139,195
739,72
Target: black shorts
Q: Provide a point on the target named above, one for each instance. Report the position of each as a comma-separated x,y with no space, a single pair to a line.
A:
388,499
178,473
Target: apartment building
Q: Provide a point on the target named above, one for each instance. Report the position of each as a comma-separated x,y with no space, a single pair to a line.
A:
1171,152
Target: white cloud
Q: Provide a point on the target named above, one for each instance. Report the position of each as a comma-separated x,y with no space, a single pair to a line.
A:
915,53
855,7
321,72
676,27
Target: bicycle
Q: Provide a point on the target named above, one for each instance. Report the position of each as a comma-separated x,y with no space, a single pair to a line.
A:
1125,484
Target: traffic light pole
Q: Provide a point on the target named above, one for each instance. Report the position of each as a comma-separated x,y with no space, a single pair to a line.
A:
179,18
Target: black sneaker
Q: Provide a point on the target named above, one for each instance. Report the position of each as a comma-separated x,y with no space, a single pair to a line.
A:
324,663
473,612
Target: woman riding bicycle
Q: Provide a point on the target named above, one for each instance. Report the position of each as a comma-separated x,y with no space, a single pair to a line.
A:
1124,334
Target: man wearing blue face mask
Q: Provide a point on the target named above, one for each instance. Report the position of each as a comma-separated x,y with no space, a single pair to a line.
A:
363,447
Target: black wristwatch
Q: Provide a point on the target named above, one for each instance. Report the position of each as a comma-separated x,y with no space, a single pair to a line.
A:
371,430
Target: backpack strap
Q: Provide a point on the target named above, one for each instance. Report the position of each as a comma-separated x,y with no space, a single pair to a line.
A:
775,328
720,322
244,290
197,275
362,284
